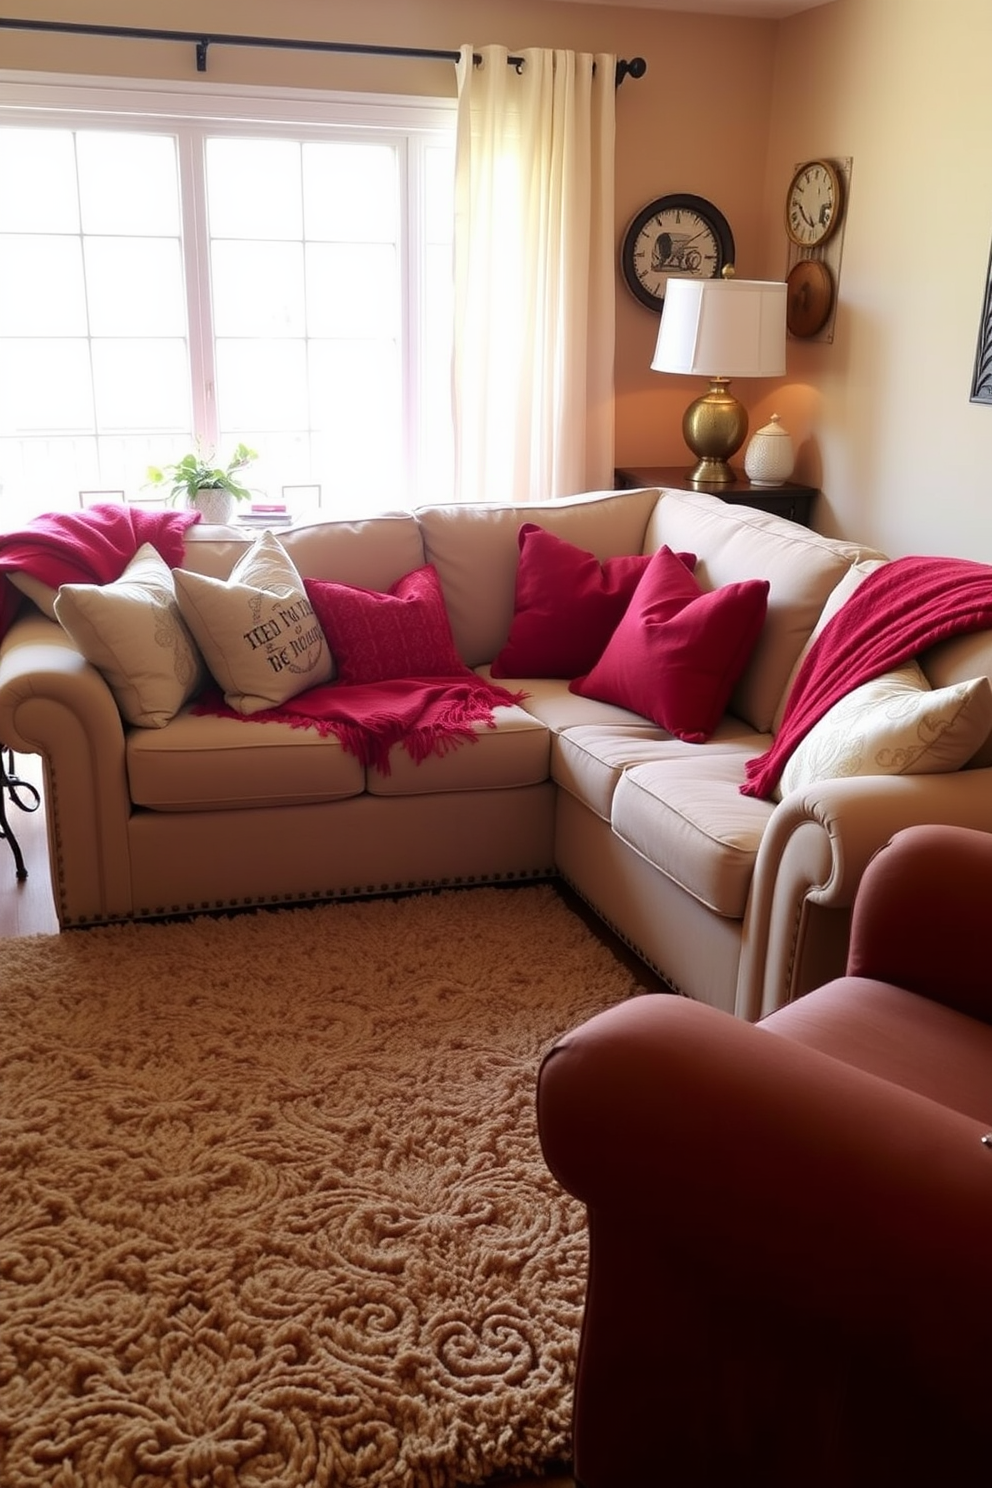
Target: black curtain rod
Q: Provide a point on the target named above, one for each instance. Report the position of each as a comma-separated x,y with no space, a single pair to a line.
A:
635,68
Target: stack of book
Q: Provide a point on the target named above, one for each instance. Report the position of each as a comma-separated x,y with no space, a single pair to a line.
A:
265,514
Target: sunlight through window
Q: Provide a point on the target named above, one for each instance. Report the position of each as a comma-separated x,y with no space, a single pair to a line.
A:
167,282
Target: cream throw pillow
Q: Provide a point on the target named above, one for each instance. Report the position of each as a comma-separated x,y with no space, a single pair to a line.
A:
894,725
131,631
257,630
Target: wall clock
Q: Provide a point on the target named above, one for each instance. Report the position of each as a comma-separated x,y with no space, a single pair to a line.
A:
680,236
816,207
813,203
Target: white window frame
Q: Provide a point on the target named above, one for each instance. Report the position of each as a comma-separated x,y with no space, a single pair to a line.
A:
242,110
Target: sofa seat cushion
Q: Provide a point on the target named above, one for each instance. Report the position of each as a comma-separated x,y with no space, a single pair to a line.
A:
899,1036
550,700
588,761
200,763
688,818
515,752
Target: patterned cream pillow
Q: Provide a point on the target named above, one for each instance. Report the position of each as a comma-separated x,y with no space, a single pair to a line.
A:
132,632
257,630
895,725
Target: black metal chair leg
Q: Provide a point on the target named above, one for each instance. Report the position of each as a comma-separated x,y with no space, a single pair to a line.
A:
12,785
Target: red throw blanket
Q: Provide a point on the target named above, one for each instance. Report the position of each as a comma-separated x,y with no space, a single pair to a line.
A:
898,611
86,547
427,715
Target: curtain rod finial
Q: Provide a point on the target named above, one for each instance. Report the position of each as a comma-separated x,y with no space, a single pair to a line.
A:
635,68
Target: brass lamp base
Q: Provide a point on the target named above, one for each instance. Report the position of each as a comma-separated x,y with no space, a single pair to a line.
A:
714,427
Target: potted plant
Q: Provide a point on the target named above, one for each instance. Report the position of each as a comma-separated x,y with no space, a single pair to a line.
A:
208,488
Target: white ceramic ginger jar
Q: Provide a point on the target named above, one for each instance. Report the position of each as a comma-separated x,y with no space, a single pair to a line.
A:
769,458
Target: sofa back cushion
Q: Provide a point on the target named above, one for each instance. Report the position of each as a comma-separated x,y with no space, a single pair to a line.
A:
836,600
734,543
372,553
475,549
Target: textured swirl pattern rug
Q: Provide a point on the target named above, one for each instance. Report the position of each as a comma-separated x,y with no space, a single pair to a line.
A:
273,1210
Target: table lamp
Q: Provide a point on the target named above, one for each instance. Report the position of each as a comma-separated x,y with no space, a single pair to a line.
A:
720,328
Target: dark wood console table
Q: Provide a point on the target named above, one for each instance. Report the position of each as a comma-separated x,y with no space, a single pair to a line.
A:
789,500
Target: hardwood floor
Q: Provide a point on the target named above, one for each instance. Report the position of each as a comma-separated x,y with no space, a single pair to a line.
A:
27,908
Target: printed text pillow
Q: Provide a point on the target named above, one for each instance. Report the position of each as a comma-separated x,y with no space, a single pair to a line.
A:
402,633
257,629
679,650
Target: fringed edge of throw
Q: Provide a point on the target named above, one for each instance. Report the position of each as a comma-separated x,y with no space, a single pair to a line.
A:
453,706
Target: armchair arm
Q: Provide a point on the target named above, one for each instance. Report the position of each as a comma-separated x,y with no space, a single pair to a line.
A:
814,852
799,1198
53,703
921,917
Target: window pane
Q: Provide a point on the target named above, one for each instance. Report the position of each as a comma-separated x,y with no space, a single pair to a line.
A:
355,396
439,194
128,183
135,287
437,463
257,289
141,384
253,188
262,384
46,385
44,475
352,291
38,181
283,459
351,192
41,287
320,333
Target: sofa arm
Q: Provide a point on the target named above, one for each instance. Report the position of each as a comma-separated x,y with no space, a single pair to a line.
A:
816,847
53,703
921,917
748,1199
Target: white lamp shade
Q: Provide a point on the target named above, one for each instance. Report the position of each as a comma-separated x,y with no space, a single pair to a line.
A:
722,328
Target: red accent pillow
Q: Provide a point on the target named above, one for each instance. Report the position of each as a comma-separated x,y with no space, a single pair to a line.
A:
679,650
566,607
374,637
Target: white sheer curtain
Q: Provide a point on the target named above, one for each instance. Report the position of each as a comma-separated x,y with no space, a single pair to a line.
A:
534,275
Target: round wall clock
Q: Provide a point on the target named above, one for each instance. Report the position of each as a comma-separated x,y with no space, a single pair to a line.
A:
809,297
813,203
678,236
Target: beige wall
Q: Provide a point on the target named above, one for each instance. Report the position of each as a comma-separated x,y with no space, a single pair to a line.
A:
881,416
901,86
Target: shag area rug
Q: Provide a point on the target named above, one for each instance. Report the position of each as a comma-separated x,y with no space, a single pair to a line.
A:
273,1210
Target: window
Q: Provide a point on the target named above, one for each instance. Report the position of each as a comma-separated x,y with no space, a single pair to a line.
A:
179,267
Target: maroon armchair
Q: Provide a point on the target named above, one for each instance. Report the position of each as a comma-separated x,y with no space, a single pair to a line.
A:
790,1222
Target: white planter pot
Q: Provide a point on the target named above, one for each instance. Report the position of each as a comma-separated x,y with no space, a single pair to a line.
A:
216,506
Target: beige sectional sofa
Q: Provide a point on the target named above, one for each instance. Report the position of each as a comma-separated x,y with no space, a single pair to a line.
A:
737,901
